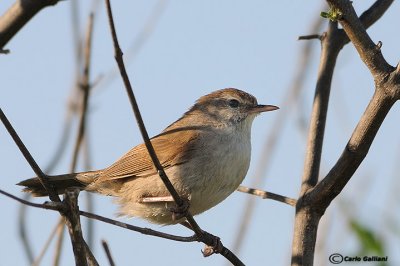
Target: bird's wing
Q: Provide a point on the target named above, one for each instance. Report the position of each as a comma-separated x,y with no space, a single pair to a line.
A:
172,148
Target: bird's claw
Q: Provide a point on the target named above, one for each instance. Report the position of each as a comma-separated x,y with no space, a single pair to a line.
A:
178,212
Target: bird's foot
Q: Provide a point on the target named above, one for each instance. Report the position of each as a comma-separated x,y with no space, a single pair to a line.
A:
178,212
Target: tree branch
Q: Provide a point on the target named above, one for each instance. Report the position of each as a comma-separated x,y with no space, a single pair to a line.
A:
108,252
304,243
315,198
85,89
59,226
118,58
375,12
43,178
18,15
23,232
58,206
355,150
387,92
74,226
205,237
67,210
267,195
369,52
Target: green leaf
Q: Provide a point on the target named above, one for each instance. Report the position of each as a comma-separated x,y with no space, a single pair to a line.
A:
370,242
333,14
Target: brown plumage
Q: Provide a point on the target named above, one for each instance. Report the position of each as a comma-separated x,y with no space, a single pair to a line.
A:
205,153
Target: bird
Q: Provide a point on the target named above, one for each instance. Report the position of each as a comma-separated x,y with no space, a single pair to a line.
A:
205,154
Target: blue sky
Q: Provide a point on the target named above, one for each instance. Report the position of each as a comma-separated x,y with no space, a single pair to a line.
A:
193,48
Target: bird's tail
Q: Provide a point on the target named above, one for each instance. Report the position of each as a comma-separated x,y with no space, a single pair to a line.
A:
60,183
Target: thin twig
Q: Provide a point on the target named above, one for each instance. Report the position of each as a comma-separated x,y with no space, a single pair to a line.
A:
146,231
85,88
76,39
270,144
59,226
55,159
204,237
118,57
69,209
139,41
310,37
108,252
54,206
59,206
42,177
23,232
59,244
267,195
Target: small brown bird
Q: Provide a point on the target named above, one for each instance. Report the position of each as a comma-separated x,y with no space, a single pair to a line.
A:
205,153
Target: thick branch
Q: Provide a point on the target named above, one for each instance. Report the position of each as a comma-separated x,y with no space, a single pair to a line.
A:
269,147
387,92
18,15
375,12
355,150
306,220
329,53
315,198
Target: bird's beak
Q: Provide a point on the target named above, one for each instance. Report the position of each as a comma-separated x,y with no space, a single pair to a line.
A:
263,108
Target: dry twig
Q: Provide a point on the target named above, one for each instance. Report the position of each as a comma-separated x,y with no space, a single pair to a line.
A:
267,195
65,212
108,252
205,237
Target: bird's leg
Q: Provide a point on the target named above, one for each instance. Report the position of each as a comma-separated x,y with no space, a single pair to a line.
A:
178,212
186,224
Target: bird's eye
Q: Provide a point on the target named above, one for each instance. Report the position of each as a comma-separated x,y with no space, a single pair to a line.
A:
233,103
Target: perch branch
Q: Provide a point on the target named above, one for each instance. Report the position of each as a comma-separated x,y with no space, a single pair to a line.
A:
370,54
206,237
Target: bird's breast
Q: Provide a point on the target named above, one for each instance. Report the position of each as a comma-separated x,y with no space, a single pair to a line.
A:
217,169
